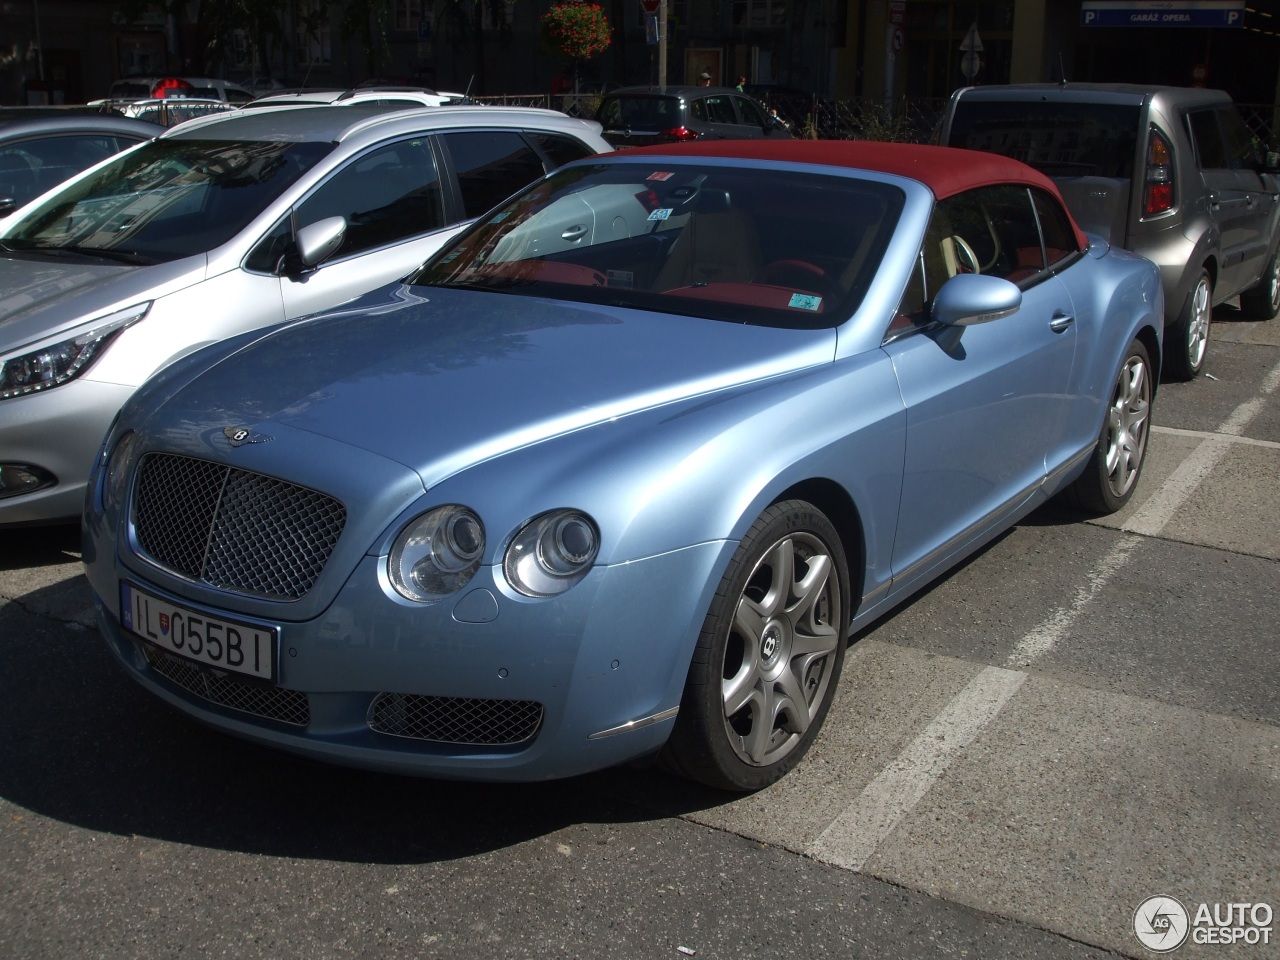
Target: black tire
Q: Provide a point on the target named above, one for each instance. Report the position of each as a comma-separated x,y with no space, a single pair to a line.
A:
1262,301
1186,342
1112,473
765,651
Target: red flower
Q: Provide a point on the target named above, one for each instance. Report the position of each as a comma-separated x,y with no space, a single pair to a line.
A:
576,30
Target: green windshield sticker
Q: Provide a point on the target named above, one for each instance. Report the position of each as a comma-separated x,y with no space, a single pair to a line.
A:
804,301
662,213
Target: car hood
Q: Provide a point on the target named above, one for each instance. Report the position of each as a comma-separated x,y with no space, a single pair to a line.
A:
42,296
441,379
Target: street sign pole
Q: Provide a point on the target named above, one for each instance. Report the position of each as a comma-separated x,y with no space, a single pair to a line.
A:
662,44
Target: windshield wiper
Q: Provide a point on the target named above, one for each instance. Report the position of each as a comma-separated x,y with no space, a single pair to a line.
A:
90,253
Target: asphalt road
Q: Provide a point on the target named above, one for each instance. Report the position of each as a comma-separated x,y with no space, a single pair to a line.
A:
1082,716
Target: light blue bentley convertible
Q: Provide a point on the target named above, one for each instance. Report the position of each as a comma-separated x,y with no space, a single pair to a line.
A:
620,469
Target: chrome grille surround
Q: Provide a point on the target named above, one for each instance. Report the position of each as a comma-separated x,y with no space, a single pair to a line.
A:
233,529
460,720
261,700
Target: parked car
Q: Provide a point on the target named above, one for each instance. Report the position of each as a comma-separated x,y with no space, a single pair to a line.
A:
171,111
225,224
638,116
621,468
37,154
407,97
1171,173
200,88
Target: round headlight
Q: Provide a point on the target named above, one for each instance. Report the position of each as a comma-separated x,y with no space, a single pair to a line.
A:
551,553
437,554
115,479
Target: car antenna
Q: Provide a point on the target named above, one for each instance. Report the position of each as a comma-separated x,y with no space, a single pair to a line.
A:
467,92
1062,71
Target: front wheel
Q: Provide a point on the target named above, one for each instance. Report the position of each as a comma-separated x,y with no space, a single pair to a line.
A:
1186,341
768,659
1113,470
1262,301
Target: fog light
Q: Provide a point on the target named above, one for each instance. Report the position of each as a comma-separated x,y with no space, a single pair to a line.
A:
19,478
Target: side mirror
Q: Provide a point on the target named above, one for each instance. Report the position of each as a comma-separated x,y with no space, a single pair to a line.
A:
7,206
970,298
315,242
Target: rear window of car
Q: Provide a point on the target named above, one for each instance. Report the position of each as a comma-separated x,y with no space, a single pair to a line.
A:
639,112
166,200
490,165
764,246
1059,139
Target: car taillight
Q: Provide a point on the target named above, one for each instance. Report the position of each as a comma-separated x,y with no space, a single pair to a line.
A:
680,133
1158,194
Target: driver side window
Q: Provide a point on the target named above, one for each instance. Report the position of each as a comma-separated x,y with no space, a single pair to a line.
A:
387,195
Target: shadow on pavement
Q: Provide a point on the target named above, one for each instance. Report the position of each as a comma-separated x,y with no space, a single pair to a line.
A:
84,745
38,546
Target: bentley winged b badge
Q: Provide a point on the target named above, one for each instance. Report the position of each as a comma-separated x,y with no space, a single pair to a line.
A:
242,435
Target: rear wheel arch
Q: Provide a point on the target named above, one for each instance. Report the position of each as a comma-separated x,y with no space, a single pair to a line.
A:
1149,340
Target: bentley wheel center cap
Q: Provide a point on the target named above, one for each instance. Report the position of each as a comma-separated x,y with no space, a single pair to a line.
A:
770,642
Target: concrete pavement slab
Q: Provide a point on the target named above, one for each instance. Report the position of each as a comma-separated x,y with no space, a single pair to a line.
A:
1076,805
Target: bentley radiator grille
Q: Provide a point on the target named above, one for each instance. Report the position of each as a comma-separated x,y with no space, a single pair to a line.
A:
240,531
271,703
459,720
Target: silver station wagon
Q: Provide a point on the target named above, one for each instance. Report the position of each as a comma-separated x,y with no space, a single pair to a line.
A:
222,225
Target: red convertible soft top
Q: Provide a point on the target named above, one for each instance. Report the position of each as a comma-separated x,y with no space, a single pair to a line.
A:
944,170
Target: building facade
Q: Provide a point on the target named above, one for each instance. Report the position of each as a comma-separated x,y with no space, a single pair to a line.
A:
884,50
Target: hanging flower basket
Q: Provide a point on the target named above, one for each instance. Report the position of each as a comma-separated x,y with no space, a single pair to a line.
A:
576,30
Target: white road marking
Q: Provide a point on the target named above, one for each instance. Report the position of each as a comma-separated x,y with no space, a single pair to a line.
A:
853,836
1045,637
1272,381
1204,435
1163,505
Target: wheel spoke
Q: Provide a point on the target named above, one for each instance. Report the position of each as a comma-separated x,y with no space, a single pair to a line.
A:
738,690
742,687
806,592
763,709
790,703
781,560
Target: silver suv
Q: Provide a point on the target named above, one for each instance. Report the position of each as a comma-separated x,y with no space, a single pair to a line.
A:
223,225
1171,173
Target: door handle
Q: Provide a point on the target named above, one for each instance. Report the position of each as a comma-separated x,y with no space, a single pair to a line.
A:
1060,322
576,232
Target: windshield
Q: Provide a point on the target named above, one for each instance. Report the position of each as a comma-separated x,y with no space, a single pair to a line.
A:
748,245
1059,139
166,200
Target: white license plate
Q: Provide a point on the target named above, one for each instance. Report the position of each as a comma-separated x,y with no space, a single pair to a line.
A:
215,642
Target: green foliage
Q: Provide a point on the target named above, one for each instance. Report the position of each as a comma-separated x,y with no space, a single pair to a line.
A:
877,123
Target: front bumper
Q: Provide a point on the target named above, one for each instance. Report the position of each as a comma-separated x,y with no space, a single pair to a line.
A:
605,663
59,431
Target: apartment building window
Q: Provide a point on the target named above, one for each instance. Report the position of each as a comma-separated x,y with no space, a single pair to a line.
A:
408,13
759,14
